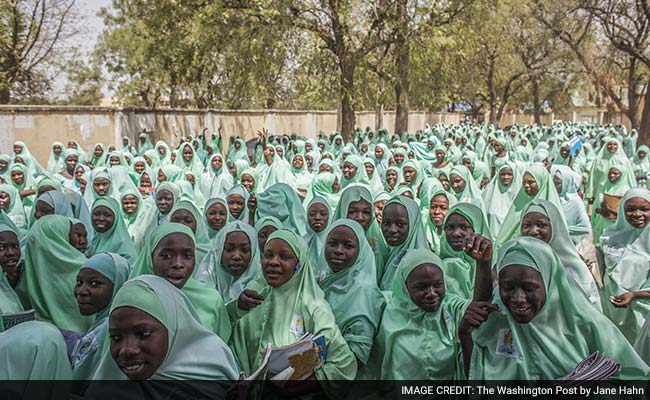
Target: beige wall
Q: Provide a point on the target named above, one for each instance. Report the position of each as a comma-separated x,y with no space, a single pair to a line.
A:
39,126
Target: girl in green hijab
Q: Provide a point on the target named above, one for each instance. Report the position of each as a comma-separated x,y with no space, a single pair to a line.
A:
216,216
434,216
110,232
465,187
353,171
319,215
51,267
24,183
567,183
403,231
12,205
237,198
499,195
186,213
163,153
626,250
517,339
350,288
620,179
100,185
325,185
462,220
292,305
264,227
536,184
10,255
233,261
641,163
134,209
144,143
282,202
301,173
188,161
170,253
216,181
541,219
98,280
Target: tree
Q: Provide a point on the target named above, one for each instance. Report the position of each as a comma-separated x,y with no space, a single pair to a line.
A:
32,36
85,81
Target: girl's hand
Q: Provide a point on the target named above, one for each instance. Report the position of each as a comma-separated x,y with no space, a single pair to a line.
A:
249,299
476,314
478,247
622,300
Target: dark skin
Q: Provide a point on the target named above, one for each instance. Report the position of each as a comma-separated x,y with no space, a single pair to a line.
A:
78,237
341,248
263,234
318,217
457,183
173,258
103,219
184,217
93,291
395,224
505,176
236,204
538,226
130,204
426,287
10,256
216,216
42,208
438,208
360,211
164,201
236,255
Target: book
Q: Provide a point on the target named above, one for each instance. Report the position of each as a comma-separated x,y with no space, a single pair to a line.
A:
11,320
595,367
72,340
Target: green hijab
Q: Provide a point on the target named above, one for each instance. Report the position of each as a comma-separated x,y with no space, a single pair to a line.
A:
559,337
322,186
116,239
207,302
415,239
458,267
546,191
212,233
431,229
282,202
353,295
15,210
213,273
241,191
413,344
471,193
498,198
87,353
194,353
202,239
51,267
288,312
9,301
316,241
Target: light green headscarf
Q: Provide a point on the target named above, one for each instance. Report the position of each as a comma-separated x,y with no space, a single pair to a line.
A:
360,177
471,193
167,157
193,352
289,311
215,183
87,354
353,295
322,186
282,202
9,301
416,239
135,223
498,198
559,337
626,251
212,233
116,239
546,191
459,268
618,188
575,267
241,191
212,272
202,239
15,210
51,267
35,351
413,344
194,166
316,241
431,229
207,302
419,176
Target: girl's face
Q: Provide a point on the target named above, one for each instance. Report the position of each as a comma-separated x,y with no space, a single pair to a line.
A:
93,291
138,342
298,162
161,176
349,170
457,228
78,173
341,248
379,153
129,204
537,225
522,291
505,176
184,217
114,160
217,163
457,183
325,168
173,259
139,167
9,252
161,150
187,153
361,212
318,217
18,177
263,234
248,182
216,216
236,205
101,186
71,161
379,207
391,177
145,181
42,208
438,208
310,162
557,182
78,237
103,219
370,169
440,155
395,224
278,262
530,185
612,147
335,186
17,149
164,201
410,174
5,200
236,253
637,212
98,151
426,286
399,158
614,175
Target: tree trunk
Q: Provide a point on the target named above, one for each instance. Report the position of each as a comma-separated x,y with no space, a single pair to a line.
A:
632,111
346,95
537,106
402,66
379,117
644,129
494,119
5,95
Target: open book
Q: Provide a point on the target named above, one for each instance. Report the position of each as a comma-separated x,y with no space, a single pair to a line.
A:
595,367
11,320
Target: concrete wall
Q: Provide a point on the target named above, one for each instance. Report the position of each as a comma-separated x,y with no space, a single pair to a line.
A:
39,126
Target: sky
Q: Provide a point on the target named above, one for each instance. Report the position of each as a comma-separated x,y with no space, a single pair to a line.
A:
91,24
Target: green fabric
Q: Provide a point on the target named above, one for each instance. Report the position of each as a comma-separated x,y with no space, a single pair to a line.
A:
413,344
316,241
322,186
51,267
55,163
353,295
458,267
241,191
15,210
34,351
207,302
136,223
28,184
194,353
201,237
212,233
289,311
213,273
472,192
626,251
116,239
601,165
147,145
9,301
546,191
498,198
360,177
618,188
560,336
416,239
419,176
431,229
282,202
88,352
194,166
575,267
